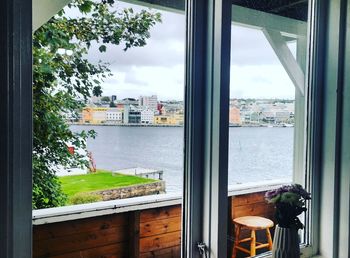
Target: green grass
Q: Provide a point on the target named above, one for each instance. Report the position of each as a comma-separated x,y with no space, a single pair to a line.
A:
101,180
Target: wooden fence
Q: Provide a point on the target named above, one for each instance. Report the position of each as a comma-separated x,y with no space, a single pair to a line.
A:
146,233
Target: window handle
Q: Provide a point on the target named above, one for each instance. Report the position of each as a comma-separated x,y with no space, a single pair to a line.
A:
203,249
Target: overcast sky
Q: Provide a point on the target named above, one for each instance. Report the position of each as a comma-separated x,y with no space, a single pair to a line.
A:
158,68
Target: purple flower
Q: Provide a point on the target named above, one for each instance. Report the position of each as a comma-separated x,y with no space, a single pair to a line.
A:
298,189
289,201
294,188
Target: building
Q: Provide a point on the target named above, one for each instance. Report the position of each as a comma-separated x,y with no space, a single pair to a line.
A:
150,102
235,116
87,115
268,117
94,115
134,117
283,117
175,119
131,115
114,115
147,116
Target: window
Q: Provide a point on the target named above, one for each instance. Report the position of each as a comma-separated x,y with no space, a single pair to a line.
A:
136,157
268,94
331,169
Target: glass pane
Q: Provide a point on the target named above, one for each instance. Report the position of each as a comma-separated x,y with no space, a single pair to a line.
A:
109,114
267,100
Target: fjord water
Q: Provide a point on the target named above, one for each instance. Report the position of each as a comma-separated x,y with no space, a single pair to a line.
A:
255,153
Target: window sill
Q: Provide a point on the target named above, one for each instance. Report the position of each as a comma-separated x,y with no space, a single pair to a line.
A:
306,252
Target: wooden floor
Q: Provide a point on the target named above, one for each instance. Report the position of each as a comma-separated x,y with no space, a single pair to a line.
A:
147,233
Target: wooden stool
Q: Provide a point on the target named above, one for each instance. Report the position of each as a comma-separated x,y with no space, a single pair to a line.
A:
252,223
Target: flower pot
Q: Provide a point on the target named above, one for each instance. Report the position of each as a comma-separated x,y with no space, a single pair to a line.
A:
285,243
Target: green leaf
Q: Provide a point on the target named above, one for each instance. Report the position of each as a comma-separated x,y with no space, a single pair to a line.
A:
85,7
102,48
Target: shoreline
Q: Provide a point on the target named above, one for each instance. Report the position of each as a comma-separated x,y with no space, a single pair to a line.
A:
157,125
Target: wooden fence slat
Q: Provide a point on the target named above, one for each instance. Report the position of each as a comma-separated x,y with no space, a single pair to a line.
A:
172,252
248,199
161,226
257,209
160,213
59,229
82,241
167,240
134,235
110,251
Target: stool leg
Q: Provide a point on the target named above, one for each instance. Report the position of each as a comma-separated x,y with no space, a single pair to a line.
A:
236,243
269,239
253,243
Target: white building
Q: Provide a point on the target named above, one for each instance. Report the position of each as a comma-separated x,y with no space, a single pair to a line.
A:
147,116
114,115
150,102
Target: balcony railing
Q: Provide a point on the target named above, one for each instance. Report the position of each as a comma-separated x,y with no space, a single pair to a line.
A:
148,226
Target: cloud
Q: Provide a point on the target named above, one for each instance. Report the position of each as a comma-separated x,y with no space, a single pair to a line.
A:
158,67
260,81
166,82
250,47
165,47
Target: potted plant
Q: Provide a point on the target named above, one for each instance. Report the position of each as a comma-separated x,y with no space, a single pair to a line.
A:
289,201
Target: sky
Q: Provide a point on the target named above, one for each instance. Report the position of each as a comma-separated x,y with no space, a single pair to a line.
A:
158,68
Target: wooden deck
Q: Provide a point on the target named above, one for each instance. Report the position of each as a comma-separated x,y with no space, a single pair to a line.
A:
146,233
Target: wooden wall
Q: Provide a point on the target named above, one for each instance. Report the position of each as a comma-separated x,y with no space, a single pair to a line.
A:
253,204
160,232
147,233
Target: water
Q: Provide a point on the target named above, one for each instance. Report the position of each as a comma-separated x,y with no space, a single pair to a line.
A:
255,154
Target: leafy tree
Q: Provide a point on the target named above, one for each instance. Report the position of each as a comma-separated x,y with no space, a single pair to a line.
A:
64,78
106,99
112,104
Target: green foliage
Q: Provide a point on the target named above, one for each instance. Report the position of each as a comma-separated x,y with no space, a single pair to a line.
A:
81,198
106,99
63,79
46,187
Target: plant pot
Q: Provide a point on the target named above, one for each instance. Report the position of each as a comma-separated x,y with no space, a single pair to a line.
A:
285,243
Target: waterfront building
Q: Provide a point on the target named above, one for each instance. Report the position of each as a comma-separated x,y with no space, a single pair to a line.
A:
131,115
114,115
134,117
147,116
283,117
268,117
175,119
94,115
235,116
150,102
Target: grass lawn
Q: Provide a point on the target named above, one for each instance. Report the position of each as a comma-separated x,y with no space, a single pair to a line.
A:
101,180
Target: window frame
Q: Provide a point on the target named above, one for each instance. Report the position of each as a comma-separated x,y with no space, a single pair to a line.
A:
16,129
206,128
309,132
